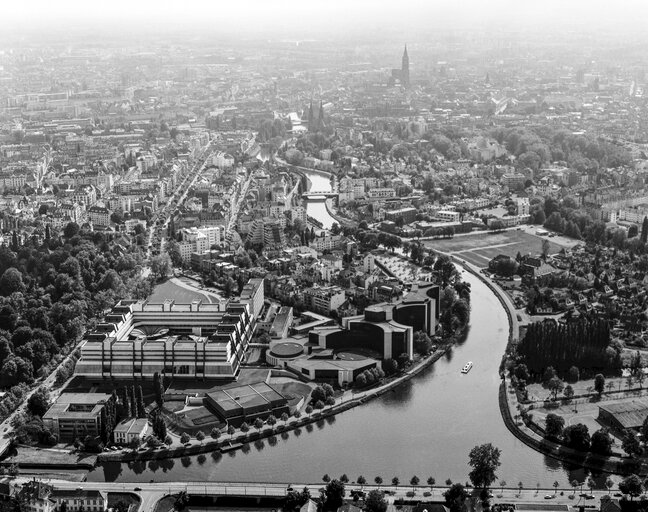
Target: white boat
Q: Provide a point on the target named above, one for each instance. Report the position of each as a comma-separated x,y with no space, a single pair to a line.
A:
467,367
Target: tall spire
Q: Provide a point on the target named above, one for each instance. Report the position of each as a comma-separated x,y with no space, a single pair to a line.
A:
405,75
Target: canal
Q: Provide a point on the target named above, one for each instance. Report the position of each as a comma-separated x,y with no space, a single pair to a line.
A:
426,427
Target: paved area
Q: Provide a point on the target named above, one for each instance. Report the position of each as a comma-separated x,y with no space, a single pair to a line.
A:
151,493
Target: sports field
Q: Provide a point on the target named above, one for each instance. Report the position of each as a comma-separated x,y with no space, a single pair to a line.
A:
480,248
182,295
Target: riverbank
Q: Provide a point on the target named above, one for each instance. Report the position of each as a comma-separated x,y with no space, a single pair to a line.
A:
510,408
342,221
348,400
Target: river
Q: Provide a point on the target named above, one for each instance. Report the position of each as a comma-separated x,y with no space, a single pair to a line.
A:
426,427
316,208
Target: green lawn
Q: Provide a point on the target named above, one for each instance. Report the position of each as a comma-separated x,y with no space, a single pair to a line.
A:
480,248
170,290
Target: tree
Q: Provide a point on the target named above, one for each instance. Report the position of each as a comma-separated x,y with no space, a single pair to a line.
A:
245,428
599,383
455,497
181,501
258,423
184,438
577,437
601,442
11,282
375,501
38,402
568,392
573,374
168,441
549,374
344,478
631,445
334,495
555,385
134,443
395,481
200,436
555,486
484,459
71,229
158,389
414,481
631,485
554,425
272,420
231,430
14,470
378,480
326,478
160,266
361,481
431,482
609,483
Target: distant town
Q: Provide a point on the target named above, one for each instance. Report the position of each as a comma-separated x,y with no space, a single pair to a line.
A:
231,272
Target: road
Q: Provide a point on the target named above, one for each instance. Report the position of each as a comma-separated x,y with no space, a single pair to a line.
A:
236,206
152,492
179,195
48,382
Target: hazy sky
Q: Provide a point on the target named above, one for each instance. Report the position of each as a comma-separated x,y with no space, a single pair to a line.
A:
246,16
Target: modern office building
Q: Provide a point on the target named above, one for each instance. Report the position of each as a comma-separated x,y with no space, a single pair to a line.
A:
246,403
76,415
193,340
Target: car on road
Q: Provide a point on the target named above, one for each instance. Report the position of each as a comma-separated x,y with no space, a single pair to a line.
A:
137,489
618,495
549,497
589,496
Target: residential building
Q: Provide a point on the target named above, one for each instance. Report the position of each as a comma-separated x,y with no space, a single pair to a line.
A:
80,500
99,215
323,300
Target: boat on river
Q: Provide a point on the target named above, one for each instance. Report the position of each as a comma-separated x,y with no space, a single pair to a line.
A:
467,367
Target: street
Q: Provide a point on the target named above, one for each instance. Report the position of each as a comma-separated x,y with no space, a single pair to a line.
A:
152,492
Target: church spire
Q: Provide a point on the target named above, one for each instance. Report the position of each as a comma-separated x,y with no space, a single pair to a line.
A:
405,75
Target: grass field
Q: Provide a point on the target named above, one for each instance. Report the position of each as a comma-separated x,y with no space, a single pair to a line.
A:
170,290
480,248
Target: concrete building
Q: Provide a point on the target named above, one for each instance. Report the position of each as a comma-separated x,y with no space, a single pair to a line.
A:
193,340
75,414
323,300
407,214
253,294
282,322
448,216
246,403
198,240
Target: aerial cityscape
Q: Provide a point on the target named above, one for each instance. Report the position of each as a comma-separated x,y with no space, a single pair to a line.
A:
323,256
